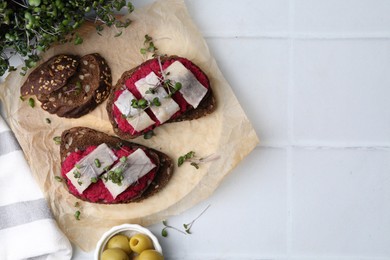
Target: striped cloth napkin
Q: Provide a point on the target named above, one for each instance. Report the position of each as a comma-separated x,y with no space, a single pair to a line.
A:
27,227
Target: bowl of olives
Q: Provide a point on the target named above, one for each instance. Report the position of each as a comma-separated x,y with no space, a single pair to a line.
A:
128,242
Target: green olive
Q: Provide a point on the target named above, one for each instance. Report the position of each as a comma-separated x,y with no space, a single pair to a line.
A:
114,254
119,241
150,255
140,242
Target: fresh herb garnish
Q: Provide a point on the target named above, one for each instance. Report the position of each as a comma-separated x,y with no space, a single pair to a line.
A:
58,178
185,157
57,139
97,163
77,215
123,159
116,176
94,179
149,46
31,102
76,174
194,160
187,227
29,28
149,134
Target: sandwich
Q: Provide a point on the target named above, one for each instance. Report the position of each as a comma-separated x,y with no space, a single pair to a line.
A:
161,90
100,168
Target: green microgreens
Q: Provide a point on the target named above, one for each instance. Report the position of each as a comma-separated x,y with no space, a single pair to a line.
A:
94,179
116,176
172,87
21,98
149,46
149,134
97,163
143,104
194,160
57,139
76,174
185,157
58,178
32,27
77,215
187,227
31,102
123,159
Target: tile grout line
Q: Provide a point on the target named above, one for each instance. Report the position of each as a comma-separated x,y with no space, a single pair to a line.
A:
290,124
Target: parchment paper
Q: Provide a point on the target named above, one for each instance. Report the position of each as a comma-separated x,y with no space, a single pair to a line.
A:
227,132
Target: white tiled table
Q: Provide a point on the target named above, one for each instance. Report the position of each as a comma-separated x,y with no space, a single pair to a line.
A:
314,78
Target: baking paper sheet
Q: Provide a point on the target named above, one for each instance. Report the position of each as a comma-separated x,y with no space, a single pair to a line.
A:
227,132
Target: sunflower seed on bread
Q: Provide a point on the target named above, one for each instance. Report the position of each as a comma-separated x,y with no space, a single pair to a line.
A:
50,75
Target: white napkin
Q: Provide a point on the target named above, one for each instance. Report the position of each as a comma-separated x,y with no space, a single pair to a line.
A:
27,227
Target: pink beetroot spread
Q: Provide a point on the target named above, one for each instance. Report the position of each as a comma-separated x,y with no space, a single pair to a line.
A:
97,192
142,72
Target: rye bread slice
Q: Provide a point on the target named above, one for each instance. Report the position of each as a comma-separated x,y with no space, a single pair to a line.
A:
50,75
79,138
207,105
84,91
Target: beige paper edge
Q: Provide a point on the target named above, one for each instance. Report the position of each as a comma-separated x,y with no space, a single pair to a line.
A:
227,132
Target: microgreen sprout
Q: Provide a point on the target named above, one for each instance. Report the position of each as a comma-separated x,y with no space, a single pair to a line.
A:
58,178
77,215
31,102
116,176
149,134
149,46
57,139
194,160
94,179
123,159
187,227
97,163
32,27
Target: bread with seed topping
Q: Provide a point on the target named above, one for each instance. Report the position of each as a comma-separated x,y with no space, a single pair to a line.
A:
70,86
51,75
85,90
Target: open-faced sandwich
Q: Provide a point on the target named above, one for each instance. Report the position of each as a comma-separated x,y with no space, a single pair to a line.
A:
160,90
104,169
69,85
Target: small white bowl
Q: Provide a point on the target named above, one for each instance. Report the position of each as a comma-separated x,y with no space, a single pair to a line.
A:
127,230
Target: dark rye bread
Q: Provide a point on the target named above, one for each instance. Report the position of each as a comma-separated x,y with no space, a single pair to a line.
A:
207,105
84,91
79,138
50,75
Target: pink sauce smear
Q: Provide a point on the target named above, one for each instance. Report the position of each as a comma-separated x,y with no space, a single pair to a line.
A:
97,192
142,72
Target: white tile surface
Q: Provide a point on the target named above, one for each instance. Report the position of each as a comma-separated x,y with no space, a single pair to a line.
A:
341,202
243,18
347,17
258,72
341,92
247,216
